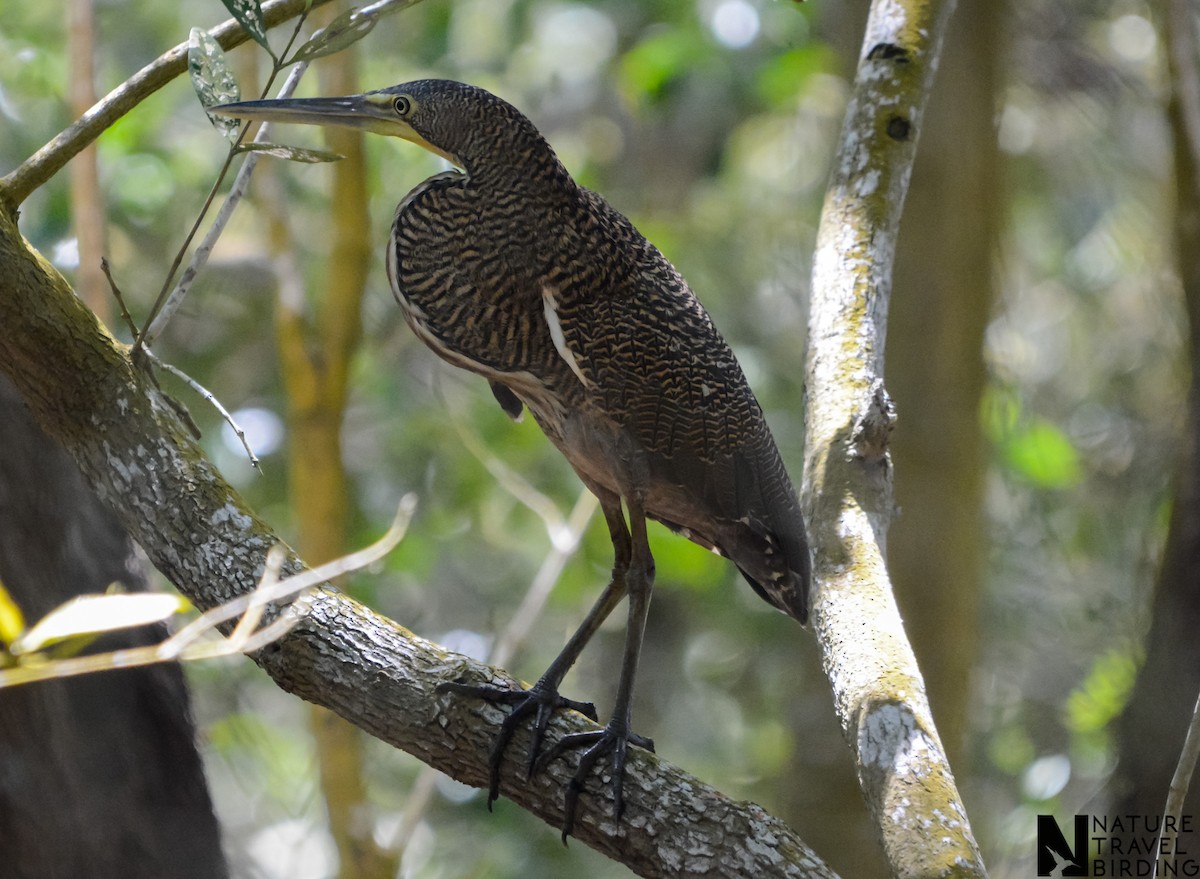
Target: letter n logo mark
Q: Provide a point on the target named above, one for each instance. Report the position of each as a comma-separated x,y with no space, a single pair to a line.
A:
1054,856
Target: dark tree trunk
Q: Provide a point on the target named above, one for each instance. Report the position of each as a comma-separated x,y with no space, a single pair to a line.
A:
1152,729
940,309
99,775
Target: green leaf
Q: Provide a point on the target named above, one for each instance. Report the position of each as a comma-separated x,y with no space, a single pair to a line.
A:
12,622
90,615
785,75
348,28
249,15
1042,454
652,65
212,79
291,153
1033,448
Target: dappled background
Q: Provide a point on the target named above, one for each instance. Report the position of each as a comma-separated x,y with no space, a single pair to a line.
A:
1037,357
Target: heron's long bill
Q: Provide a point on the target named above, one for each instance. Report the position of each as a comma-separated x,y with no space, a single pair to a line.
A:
367,112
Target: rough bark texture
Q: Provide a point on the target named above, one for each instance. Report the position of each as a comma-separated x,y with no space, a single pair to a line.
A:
878,690
98,777
131,447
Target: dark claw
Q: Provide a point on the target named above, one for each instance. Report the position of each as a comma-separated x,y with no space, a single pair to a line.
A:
614,739
542,697
644,742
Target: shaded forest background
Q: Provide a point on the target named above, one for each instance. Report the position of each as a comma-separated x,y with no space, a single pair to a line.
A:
1038,356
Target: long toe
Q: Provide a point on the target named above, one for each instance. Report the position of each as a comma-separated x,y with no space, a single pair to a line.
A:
488,692
587,709
539,692
619,748
644,742
614,741
541,700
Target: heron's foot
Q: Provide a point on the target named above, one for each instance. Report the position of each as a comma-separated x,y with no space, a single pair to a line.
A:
541,700
614,740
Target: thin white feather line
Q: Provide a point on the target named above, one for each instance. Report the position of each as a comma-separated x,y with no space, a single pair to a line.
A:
550,310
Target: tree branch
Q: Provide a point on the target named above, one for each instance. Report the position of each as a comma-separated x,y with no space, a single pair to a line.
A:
80,386
49,160
878,691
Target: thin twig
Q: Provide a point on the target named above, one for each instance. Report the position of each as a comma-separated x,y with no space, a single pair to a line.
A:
145,337
162,314
304,580
248,624
47,161
139,340
544,581
510,640
508,478
116,292
1177,792
157,320
212,400
185,644
191,382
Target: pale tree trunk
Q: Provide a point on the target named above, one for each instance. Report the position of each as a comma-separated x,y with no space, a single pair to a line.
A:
878,691
130,445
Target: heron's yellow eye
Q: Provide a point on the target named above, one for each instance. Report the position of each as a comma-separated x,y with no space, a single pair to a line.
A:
401,105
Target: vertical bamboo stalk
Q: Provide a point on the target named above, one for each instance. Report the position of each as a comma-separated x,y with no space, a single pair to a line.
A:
317,342
87,202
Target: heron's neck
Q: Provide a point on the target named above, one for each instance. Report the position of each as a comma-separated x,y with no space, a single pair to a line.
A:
521,162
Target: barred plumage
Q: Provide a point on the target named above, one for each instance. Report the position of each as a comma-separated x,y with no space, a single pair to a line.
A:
510,269
472,255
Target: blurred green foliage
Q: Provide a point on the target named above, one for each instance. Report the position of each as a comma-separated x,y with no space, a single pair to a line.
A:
1099,698
711,125
1032,448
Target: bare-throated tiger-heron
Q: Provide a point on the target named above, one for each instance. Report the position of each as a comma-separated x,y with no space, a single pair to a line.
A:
510,269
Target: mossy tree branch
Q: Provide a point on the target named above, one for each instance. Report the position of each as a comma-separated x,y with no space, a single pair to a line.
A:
129,443
878,690
131,447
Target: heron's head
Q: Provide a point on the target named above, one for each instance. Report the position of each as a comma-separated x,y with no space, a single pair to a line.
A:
464,124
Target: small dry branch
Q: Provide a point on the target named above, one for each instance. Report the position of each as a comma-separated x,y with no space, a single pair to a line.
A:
196,640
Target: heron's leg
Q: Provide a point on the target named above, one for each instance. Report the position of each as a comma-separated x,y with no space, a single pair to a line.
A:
543,697
614,739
